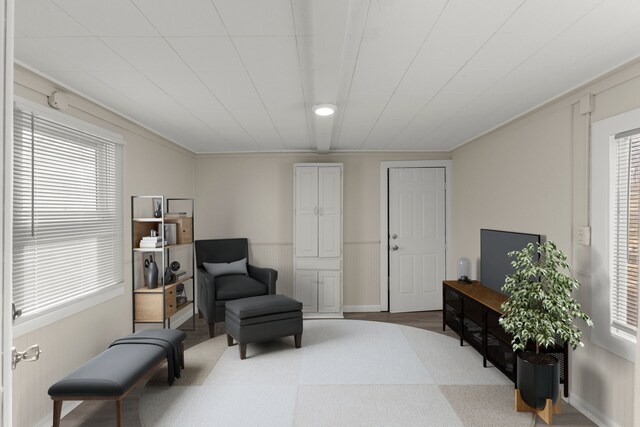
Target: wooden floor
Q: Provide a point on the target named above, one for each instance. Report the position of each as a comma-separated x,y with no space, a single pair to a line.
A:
98,414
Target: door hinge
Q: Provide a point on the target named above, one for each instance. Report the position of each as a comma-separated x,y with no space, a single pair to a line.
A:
15,313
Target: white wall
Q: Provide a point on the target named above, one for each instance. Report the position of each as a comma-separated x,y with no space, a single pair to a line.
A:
532,175
251,195
153,165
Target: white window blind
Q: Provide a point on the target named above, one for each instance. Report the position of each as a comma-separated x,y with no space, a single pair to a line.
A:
67,212
625,231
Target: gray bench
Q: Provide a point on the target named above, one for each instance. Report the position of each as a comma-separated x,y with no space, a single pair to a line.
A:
262,318
112,374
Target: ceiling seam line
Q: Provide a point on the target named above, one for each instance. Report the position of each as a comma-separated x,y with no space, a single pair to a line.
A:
184,62
455,74
304,95
81,70
518,66
395,89
100,38
235,48
213,94
353,73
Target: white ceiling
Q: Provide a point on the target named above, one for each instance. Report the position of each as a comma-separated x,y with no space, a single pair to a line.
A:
242,75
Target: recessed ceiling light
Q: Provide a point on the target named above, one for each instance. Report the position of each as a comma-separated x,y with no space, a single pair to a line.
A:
324,109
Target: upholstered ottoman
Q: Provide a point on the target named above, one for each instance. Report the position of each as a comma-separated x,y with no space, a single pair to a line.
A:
262,318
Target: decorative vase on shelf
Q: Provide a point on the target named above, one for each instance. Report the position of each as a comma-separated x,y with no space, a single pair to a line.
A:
169,277
150,273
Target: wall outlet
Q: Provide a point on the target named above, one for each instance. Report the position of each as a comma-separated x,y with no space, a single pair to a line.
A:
584,236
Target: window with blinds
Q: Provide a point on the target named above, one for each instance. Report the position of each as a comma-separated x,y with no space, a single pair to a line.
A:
625,235
67,212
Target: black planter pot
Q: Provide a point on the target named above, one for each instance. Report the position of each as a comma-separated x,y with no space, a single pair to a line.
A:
538,379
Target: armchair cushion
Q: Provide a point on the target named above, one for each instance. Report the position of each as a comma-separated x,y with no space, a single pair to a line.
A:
236,286
224,268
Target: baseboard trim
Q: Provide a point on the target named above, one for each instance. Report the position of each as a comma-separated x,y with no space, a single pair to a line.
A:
67,406
592,413
360,308
179,320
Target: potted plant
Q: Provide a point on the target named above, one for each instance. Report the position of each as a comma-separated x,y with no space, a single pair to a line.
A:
540,310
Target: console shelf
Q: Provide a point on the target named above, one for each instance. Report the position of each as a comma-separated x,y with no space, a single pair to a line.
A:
472,311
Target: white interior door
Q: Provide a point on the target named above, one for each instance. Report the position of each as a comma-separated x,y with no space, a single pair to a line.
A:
417,244
6,126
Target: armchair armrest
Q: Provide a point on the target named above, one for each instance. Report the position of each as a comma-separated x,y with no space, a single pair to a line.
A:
206,293
267,276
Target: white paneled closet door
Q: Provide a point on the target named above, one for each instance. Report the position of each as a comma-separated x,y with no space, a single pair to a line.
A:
318,238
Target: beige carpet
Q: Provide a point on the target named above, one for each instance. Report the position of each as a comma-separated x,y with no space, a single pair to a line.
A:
346,373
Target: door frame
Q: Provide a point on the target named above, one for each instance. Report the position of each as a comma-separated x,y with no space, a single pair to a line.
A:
6,156
384,218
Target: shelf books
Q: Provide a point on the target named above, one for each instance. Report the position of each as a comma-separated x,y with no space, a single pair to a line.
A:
151,242
175,214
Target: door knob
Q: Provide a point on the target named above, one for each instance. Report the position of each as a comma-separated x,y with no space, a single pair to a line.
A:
394,236
394,247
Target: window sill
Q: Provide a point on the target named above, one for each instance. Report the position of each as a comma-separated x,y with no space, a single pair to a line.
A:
29,325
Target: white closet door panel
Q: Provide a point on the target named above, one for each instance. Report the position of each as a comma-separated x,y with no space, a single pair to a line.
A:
306,235
318,264
329,245
329,294
306,290
330,202
306,189
330,189
306,212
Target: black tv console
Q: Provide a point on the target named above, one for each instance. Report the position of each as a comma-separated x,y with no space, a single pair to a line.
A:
472,311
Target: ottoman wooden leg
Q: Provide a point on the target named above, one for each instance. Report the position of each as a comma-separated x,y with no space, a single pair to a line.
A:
243,351
298,340
229,340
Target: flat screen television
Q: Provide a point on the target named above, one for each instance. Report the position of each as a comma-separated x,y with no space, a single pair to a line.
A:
495,264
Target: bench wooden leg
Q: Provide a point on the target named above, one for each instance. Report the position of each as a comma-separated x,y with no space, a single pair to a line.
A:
243,351
229,340
119,413
298,340
212,330
57,412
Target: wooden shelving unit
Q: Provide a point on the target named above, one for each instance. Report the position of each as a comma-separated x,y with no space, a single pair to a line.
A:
158,305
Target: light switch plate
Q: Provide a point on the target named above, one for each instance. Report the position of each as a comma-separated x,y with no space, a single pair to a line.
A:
584,236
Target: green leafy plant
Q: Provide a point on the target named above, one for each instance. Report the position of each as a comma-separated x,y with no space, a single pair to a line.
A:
540,307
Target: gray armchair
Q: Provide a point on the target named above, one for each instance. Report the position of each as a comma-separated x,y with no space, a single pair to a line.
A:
214,291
